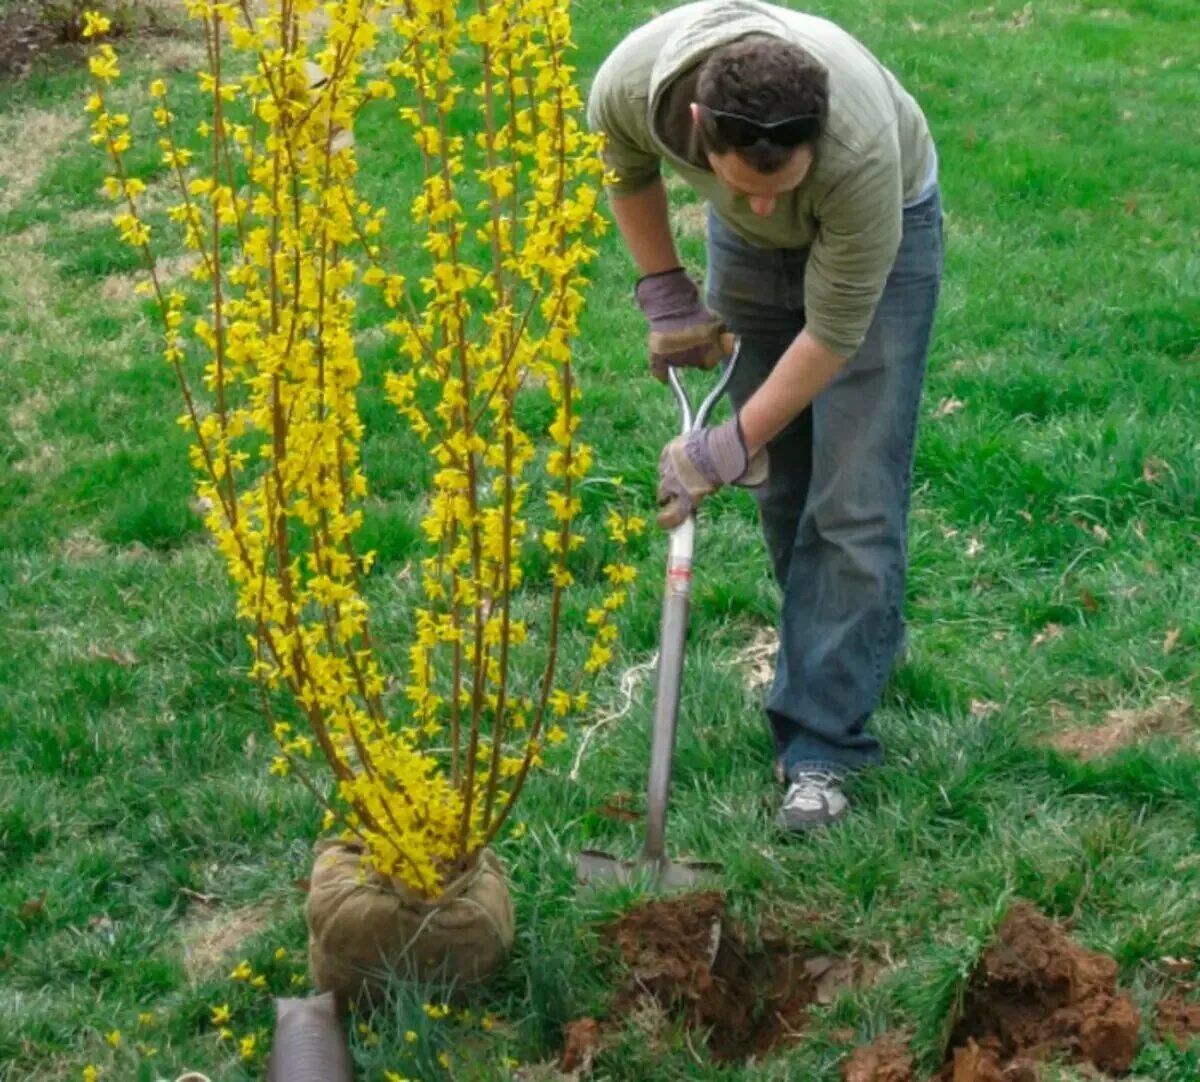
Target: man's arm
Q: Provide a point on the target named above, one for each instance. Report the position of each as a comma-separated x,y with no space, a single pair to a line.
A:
645,226
861,223
803,372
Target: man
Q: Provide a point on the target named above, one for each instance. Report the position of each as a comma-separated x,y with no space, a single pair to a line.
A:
824,256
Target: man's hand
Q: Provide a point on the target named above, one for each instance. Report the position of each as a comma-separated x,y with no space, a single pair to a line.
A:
698,463
683,332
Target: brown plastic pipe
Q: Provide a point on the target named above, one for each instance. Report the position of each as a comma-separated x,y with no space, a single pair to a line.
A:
309,1043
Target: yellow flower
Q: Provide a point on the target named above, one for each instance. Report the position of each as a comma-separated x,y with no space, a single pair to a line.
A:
444,1059
95,24
241,972
90,1073
146,1018
158,89
259,981
393,1076
220,1014
247,1046
280,953
113,1037
410,1036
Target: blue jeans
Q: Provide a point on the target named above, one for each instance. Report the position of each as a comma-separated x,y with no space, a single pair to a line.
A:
835,510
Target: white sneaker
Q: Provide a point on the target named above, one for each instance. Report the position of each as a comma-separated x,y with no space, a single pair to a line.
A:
814,799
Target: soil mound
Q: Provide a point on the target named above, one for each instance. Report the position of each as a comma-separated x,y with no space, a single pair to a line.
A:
685,955
1037,994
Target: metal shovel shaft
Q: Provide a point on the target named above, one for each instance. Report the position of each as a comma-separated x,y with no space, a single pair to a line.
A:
672,636
594,864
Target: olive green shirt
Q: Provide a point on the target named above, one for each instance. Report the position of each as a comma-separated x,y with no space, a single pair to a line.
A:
875,156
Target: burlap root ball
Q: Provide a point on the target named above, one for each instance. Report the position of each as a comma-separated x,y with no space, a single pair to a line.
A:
363,928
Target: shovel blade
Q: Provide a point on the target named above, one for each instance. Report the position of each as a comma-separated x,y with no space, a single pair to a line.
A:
595,866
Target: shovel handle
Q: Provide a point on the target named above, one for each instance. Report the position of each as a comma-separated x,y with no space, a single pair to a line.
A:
689,420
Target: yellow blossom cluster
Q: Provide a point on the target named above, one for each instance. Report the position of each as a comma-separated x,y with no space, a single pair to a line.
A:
268,199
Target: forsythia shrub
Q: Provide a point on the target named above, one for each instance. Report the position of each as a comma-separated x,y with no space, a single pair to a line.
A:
485,313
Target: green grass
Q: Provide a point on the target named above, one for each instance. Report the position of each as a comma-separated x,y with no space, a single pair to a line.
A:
144,851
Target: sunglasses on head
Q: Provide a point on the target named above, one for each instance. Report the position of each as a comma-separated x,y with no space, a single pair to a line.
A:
740,131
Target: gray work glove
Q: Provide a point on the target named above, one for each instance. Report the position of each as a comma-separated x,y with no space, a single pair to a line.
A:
683,332
698,463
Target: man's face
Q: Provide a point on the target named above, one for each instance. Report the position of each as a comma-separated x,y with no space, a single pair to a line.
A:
761,189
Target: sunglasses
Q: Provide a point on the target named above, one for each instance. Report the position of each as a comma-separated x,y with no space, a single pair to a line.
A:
740,131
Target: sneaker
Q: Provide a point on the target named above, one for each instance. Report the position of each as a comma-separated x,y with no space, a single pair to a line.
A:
814,799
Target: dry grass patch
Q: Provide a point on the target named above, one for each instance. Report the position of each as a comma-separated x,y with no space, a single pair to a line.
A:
691,219
211,935
120,288
29,142
756,661
1168,715
81,546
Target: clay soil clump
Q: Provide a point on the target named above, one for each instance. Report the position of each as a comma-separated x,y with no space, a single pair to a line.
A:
1178,1021
686,956
887,1059
1036,994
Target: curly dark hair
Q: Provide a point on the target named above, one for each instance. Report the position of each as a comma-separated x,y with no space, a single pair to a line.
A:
763,79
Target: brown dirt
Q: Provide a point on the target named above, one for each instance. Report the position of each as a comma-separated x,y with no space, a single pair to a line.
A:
1168,715
23,38
688,957
1035,994
886,1059
1177,1020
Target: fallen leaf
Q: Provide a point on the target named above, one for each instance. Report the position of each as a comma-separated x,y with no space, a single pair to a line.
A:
619,807
1153,468
1101,534
832,977
107,653
1177,967
33,907
982,708
1026,516
1059,711
915,26
1088,600
1139,531
974,548
1170,641
1050,631
1021,19
302,884
947,406
583,1038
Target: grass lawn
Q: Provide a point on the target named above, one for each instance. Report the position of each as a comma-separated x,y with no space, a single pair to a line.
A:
1054,597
